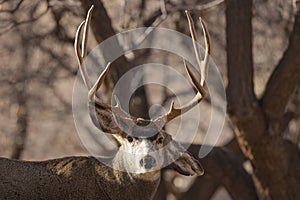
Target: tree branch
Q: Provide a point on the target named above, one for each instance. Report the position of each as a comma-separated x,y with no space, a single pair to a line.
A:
239,54
222,165
169,9
273,157
243,107
283,81
203,188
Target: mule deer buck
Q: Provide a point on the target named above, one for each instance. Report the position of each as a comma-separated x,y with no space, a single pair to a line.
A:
87,177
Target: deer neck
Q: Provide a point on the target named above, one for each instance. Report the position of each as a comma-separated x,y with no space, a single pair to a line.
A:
127,185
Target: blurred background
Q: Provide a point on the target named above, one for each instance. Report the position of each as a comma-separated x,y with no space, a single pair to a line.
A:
38,69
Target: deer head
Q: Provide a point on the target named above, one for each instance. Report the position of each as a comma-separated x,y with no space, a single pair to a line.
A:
143,144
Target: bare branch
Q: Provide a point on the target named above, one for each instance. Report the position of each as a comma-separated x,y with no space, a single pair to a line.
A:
170,9
231,175
14,9
283,81
13,23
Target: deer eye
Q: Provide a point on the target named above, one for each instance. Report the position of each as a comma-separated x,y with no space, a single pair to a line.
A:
160,140
129,139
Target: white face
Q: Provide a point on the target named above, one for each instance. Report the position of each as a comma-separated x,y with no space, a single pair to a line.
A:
140,154
146,150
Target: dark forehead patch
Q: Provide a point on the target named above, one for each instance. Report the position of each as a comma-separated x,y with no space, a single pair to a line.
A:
138,128
149,131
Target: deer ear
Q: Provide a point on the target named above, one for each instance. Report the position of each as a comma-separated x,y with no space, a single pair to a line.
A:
187,165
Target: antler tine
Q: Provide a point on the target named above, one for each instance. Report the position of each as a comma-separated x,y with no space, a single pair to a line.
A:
99,110
207,51
203,64
91,96
194,36
98,83
81,54
78,51
85,31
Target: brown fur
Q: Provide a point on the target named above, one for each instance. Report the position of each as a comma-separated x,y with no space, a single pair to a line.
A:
70,178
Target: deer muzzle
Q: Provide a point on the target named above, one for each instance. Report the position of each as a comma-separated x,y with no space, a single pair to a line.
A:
148,162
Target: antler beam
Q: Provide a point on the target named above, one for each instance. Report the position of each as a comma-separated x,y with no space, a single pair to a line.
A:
200,87
81,55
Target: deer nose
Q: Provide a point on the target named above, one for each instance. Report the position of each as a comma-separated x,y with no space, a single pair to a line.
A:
148,162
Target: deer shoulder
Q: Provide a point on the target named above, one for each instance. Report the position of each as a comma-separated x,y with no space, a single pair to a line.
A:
67,178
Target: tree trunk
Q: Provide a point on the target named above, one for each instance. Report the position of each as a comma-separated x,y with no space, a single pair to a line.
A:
275,160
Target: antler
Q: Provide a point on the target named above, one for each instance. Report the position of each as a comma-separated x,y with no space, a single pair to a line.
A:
173,112
200,87
81,55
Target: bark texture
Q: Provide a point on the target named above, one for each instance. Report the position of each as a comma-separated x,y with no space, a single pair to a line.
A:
275,160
